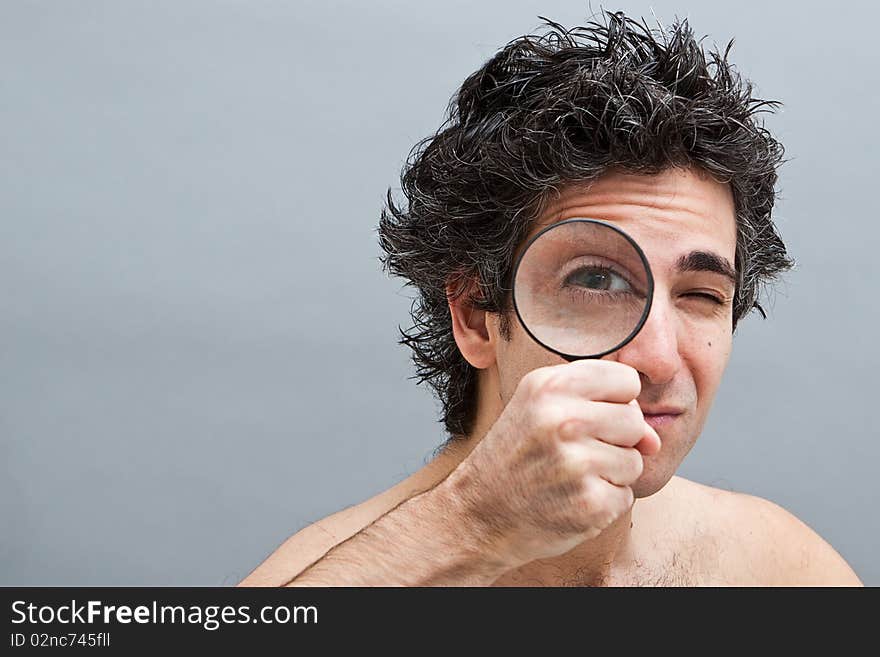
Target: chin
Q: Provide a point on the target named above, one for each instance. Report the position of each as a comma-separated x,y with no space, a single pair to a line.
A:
662,466
652,480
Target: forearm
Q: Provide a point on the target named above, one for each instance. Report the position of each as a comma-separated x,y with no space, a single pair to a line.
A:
425,541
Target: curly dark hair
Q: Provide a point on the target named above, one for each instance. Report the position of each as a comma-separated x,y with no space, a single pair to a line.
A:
552,109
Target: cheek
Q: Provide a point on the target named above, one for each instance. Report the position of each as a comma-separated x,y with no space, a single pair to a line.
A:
518,357
708,354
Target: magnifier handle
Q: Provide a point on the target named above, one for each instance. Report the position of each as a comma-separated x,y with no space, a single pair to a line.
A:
571,359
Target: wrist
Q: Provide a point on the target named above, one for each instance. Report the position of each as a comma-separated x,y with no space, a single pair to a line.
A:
479,536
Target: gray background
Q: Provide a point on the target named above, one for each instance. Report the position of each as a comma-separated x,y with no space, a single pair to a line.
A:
199,346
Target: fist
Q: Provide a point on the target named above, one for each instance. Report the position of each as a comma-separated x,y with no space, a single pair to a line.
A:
557,466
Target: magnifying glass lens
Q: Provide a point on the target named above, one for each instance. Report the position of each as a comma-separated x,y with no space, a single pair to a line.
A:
582,288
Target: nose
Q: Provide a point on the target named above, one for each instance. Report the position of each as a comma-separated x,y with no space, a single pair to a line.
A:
654,351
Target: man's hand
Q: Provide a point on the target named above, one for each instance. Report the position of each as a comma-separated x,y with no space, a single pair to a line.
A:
556,467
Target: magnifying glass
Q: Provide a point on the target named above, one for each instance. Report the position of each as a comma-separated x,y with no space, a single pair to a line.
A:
582,288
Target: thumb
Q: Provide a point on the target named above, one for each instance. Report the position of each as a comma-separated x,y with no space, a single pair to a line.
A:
650,443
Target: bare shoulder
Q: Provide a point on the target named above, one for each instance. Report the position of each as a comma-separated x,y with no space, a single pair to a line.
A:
308,545
746,540
313,541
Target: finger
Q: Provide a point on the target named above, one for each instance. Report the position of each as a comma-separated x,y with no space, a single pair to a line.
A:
621,466
611,497
650,444
593,380
605,380
617,424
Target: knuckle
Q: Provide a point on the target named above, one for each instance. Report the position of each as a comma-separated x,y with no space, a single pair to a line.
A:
542,382
608,516
606,503
637,463
596,496
554,382
568,457
548,418
589,492
572,428
531,381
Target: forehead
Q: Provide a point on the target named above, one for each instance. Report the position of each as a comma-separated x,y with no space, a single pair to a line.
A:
668,214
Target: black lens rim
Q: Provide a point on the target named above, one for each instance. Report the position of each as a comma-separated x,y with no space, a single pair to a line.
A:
649,294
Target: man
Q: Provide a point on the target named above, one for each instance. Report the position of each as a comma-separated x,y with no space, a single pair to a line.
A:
559,473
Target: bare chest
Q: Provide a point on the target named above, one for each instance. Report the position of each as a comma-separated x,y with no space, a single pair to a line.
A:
660,563
681,568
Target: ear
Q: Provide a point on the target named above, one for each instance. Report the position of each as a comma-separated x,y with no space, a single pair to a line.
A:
470,326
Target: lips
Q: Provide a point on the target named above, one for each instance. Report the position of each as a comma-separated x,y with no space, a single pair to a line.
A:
661,420
661,410
661,416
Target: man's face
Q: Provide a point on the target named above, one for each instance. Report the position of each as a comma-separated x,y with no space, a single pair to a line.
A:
686,226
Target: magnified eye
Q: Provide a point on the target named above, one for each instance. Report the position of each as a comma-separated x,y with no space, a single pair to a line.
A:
598,278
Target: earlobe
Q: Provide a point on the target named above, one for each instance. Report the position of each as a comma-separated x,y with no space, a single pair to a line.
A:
470,326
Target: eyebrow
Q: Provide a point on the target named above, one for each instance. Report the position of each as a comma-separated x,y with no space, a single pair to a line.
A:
707,261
